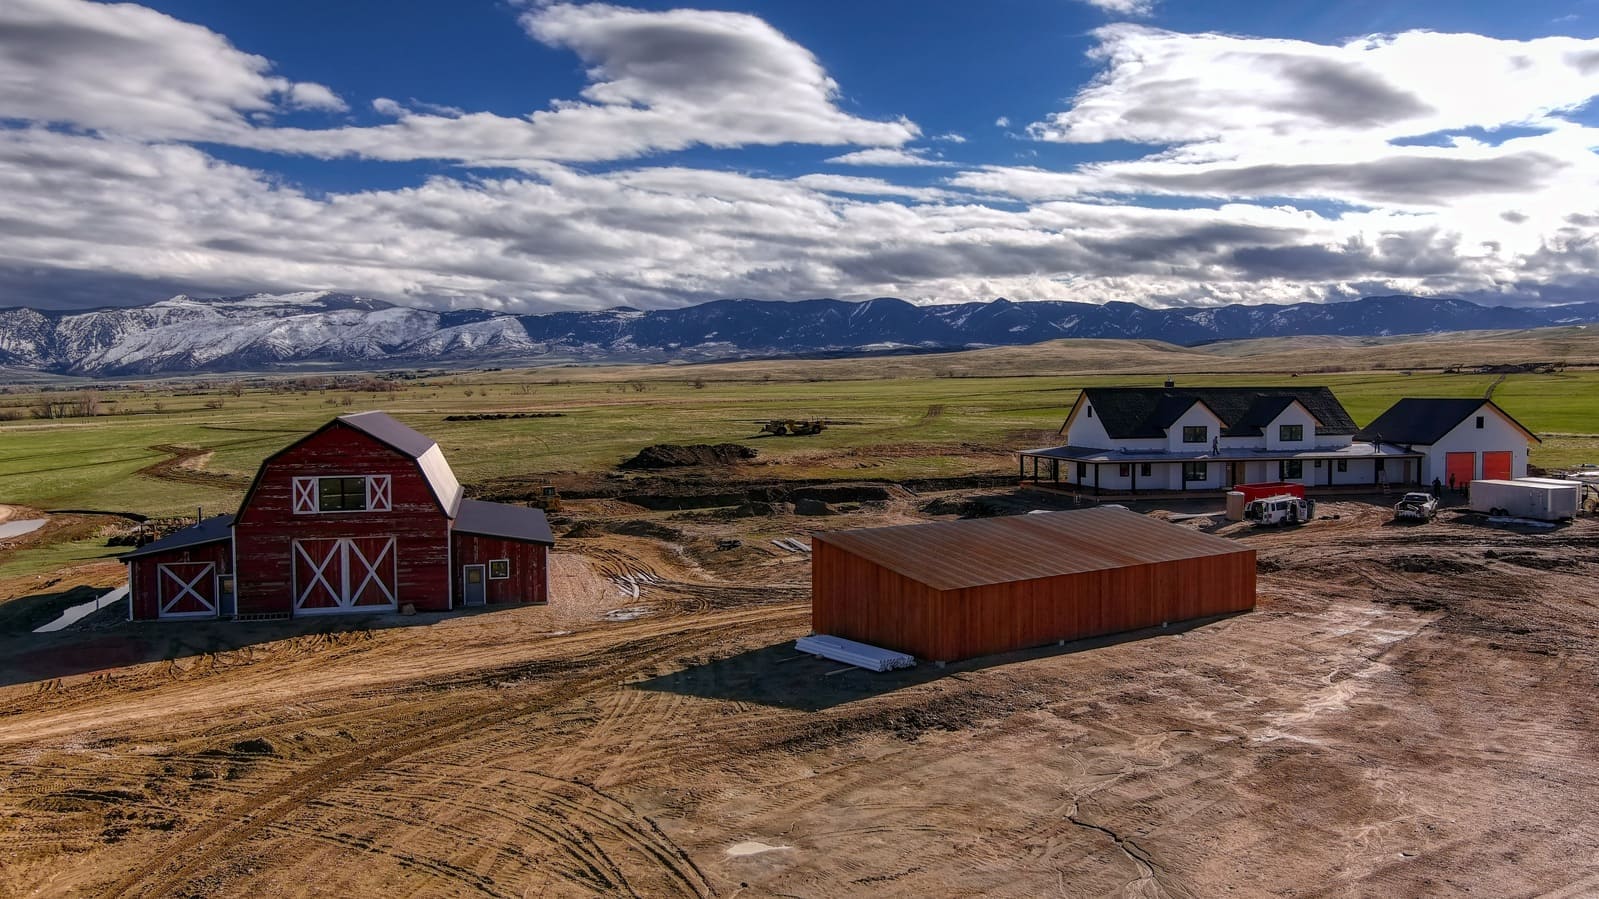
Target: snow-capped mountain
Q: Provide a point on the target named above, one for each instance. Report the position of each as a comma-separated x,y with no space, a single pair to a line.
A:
185,334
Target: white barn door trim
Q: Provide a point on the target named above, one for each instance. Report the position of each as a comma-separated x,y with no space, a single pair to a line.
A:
173,587
352,573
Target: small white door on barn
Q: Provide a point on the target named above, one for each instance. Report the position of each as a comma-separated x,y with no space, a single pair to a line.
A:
186,590
344,575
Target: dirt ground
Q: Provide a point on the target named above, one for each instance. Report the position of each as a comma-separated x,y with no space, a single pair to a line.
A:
1411,711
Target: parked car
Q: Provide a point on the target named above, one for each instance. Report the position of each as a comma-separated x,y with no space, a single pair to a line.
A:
1272,510
1416,506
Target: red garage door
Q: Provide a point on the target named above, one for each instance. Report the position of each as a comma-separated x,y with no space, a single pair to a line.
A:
1460,469
1496,466
344,575
187,590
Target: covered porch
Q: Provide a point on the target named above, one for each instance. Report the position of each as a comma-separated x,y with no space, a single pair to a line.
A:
1359,467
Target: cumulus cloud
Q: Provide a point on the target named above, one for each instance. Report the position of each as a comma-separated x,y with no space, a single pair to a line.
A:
134,71
1124,7
658,81
889,156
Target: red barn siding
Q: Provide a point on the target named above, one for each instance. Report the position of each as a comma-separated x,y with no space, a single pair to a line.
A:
528,582
144,594
267,528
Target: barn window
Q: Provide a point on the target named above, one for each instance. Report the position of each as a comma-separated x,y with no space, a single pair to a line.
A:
499,569
1290,468
1195,471
1291,433
341,494
1195,434
1343,464
1145,469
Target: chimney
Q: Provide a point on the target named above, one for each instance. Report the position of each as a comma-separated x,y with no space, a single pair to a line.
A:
1170,383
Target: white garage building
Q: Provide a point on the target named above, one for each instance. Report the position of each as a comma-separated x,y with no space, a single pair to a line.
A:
1459,440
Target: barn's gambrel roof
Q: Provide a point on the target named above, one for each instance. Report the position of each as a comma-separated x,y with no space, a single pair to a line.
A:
1133,413
408,441
217,527
1423,421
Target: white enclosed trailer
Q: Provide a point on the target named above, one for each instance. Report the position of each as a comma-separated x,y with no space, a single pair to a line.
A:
1543,499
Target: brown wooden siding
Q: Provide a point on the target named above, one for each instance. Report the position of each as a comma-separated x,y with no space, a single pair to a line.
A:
267,528
857,599
142,581
527,582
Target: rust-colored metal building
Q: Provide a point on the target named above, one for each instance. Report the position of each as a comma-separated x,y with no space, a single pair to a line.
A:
953,590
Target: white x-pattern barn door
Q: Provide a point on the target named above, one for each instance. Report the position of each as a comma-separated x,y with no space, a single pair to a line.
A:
187,590
344,575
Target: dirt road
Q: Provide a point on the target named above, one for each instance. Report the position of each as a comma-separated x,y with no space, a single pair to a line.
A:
1411,711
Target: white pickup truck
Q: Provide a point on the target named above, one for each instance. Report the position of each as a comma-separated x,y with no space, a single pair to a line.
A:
1416,506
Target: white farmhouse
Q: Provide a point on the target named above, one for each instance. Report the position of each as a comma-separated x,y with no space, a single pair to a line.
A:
1460,440
1138,439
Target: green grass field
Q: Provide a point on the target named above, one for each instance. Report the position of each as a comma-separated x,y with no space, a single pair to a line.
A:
914,423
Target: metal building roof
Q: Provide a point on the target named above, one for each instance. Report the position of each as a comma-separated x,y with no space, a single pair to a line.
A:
217,527
953,555
501,520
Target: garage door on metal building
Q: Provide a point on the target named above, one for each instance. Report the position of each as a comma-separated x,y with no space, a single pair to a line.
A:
1460,469
1496,466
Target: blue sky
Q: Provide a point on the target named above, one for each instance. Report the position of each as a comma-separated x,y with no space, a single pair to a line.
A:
536,155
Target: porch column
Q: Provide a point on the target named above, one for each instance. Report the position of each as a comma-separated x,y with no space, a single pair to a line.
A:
1096,478
1134,469
1035,469
1021,467
1330,465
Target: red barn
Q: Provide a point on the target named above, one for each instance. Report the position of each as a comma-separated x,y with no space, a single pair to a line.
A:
361,515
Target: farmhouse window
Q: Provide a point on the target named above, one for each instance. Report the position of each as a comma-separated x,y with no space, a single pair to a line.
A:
1291,433
1291,468
499,569
1343,464
1195,434
1195,471
1090,411
1082,470
1479,422
1124,470
345,493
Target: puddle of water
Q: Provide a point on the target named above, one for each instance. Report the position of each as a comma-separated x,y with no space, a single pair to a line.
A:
751,847
18,528
82,610
627,614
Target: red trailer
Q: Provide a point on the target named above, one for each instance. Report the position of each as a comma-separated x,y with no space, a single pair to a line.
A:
361,515
1253,492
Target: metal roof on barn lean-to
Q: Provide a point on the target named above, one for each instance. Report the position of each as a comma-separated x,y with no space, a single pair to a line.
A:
954,555
1132,413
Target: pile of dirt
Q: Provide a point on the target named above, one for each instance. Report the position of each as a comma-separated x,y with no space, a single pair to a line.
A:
811,507
672,455
503,416
636,528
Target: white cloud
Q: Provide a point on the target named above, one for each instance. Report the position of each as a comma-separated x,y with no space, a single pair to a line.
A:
131,70
1124,7
888,156
658,81
1002,122
951,137
869,187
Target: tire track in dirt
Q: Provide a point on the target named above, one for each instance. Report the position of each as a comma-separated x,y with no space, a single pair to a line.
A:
209,844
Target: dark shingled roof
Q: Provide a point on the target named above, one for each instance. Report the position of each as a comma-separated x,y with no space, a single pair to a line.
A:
386,428
1146,412
500,520
217,527
1425,420
955,555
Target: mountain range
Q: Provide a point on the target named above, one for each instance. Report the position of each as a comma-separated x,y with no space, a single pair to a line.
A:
265,331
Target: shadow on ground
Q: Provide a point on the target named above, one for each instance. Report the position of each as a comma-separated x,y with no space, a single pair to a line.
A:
781,676
106,639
